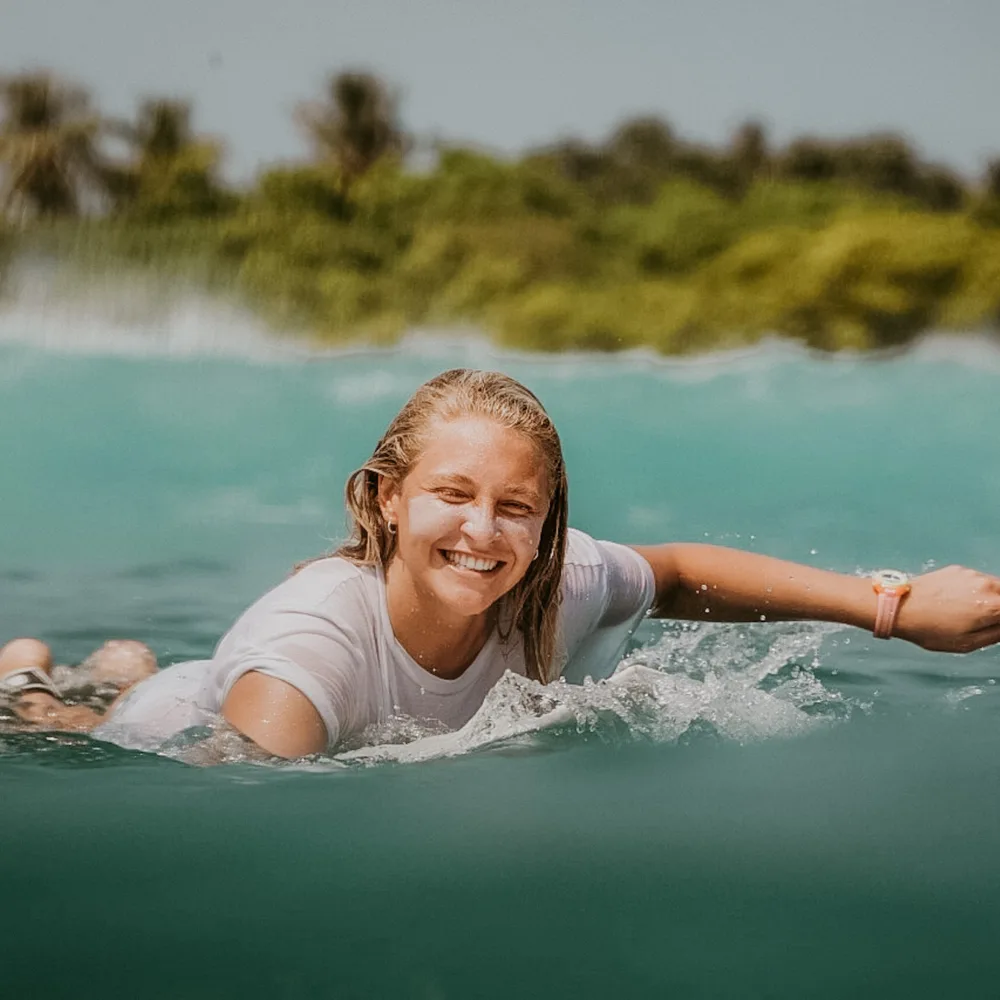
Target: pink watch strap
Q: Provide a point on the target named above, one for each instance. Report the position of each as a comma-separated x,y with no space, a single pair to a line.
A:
886,611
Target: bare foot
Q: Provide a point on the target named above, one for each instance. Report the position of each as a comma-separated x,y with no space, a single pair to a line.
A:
121,662
19,654
38,707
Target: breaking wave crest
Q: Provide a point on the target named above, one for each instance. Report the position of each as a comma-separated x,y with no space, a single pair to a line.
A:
734,683
739,683
57,309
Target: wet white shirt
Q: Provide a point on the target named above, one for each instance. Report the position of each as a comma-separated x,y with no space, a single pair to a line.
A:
326,631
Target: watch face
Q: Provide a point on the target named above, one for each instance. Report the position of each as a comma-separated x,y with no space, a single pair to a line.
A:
890,578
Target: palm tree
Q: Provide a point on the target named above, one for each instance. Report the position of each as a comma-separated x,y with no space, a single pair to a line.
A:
48,155
355,126
164,128
172,171
160,133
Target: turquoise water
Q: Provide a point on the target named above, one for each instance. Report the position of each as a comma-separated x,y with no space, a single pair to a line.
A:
753,811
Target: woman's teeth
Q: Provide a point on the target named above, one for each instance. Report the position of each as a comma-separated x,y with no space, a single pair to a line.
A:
468,562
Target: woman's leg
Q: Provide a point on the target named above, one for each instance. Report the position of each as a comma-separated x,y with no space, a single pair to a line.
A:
121,662
39,707
118,662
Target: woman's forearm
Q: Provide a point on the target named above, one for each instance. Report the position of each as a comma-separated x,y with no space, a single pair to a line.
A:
953,609
709,582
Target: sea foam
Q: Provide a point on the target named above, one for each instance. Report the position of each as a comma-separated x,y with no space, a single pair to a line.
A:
742,685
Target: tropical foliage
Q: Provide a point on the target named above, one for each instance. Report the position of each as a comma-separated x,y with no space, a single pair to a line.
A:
47,147
355,126
171,173
643,239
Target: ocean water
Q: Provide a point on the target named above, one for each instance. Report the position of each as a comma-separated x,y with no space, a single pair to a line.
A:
764,810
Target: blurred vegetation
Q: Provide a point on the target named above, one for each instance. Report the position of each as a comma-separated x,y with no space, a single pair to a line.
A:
642,239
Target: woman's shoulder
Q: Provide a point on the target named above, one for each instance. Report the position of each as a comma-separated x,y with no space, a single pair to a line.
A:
329,600
584,575
326,581
596,572
586,554
330,589
581,549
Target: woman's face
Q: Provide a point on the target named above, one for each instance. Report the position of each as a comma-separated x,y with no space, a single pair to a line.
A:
469,515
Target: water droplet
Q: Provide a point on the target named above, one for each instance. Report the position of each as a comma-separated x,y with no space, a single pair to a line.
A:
704,586
763,618
812,552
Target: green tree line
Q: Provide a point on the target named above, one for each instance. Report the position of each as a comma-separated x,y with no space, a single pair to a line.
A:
643,238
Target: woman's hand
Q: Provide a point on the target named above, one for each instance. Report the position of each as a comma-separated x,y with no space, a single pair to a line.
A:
951,610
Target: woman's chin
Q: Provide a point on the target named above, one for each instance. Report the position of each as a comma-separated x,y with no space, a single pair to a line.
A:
468,596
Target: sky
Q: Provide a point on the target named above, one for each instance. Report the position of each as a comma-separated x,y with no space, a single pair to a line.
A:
511,74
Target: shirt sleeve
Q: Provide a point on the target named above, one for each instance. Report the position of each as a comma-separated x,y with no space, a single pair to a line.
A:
606,591
630,586
314,649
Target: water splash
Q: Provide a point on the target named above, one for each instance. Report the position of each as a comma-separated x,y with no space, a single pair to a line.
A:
52,309
741,684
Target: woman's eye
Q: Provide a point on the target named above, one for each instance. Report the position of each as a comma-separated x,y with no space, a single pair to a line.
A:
451,496
518,509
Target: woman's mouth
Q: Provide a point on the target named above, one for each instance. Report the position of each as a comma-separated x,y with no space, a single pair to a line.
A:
464,561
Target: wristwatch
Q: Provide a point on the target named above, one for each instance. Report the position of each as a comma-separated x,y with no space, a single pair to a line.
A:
891,586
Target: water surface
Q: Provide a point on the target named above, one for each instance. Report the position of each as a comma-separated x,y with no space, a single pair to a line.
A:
752,810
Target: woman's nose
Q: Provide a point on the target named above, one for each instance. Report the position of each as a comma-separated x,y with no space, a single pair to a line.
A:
480,523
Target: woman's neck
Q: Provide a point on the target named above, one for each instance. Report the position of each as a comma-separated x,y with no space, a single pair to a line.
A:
444,645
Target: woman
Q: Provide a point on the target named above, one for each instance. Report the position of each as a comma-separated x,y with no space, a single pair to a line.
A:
461,566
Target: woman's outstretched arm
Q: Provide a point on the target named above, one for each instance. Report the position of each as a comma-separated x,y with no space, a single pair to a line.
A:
952,610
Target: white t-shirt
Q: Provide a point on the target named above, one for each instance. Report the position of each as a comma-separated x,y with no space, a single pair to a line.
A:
326,631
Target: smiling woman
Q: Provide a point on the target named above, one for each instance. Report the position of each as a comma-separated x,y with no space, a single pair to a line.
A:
461,567
469,521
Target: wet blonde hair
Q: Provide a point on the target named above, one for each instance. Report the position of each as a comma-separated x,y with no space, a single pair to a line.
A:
531,607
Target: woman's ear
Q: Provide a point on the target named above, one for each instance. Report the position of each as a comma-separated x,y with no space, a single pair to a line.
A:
388,498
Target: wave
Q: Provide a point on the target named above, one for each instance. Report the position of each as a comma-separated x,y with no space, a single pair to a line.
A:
136,317
739,684
53,309
734,683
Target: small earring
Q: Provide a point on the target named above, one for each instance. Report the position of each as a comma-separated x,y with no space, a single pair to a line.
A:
535,556
390,526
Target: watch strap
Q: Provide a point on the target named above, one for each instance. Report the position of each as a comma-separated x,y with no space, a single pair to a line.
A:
886,612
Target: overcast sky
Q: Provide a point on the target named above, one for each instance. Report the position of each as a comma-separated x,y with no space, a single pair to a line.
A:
508,74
